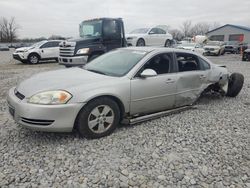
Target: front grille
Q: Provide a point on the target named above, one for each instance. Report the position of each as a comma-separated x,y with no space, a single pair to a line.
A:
67,51
40,122
209,49
19,95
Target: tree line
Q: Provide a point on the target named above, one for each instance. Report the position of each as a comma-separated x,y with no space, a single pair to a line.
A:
188,29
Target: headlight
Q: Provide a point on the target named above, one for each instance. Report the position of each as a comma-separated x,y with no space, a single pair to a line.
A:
50,97
83,51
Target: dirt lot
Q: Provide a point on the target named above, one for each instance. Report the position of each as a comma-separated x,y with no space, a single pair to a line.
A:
205,147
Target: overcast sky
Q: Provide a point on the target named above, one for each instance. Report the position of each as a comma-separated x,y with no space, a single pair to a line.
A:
46,17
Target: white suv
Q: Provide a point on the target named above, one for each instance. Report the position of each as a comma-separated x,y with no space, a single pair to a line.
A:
149,37
44,50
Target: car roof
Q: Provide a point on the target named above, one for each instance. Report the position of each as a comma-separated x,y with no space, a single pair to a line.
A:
159,49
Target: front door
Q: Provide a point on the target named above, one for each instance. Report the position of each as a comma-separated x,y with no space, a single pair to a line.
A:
156,93
112,34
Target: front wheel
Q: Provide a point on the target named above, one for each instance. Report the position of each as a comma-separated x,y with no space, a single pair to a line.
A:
235,84
33,59
167,43
140,42
98,118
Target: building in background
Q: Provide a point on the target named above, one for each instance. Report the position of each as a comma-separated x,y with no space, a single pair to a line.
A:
230,32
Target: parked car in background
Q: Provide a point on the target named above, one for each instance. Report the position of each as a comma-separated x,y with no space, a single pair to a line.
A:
192,46
149,37
232,47
246,54
126,85
44,50
4,47
214,48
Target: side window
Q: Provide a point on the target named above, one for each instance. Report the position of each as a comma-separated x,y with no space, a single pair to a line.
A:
161,31
161,64
54,44
153,31
204,65
187,62
111,29
46,45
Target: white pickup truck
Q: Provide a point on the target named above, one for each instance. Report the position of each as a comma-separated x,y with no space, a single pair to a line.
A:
44,50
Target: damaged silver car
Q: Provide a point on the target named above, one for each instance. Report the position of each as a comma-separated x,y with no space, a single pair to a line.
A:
126,85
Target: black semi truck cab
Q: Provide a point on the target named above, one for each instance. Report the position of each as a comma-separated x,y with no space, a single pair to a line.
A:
97,36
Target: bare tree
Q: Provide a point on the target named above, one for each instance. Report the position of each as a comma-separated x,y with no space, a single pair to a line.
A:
176,33
186,28
200,28
8,29
214,25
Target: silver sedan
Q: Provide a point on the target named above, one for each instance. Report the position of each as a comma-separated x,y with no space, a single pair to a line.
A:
126,85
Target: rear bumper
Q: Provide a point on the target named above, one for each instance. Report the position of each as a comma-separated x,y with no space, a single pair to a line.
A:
49,118
73,61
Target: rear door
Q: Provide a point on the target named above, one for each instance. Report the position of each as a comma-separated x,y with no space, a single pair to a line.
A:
112,34
161,37
154,93
152,38
192,78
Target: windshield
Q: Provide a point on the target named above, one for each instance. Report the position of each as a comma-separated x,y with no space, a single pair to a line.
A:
116,63
141,30
90,29
213,43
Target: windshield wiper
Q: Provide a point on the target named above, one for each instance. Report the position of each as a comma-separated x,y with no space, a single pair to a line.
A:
96,71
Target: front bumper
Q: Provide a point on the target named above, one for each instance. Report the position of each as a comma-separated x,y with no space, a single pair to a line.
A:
19,56
73,61
211,52
131,42
49,118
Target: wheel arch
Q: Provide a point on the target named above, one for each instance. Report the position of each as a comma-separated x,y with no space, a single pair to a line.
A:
114,98
141,38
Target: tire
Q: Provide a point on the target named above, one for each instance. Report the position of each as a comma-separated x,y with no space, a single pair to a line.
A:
140,42
218,54
92,121
167,43
33,58
235,84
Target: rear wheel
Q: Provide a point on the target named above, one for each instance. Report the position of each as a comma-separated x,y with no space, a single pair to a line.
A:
98,118
140,42
33,59
167,43
235,84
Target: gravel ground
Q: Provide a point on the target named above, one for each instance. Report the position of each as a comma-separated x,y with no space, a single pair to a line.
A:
208,146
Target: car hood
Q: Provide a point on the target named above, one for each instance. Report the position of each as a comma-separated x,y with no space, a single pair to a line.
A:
209,46
24,48
65,79
186,47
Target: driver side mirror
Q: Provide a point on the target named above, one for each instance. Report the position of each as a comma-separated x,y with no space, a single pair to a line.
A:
148,73
151,32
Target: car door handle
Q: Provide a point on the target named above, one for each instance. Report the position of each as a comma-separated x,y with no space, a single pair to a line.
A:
202,76
169,80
